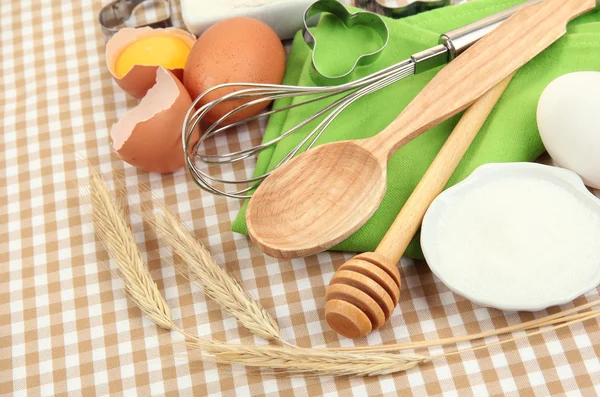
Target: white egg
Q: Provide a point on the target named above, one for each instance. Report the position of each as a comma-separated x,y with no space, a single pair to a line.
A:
568,117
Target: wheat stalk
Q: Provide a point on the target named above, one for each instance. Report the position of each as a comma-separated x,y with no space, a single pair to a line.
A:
201,268
577,319
550,320
112,229
353,361
301,361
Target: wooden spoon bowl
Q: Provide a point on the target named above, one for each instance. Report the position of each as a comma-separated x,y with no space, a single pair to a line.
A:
345,182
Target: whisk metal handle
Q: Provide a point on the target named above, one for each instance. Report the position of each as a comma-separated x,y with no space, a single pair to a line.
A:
458,40
530,31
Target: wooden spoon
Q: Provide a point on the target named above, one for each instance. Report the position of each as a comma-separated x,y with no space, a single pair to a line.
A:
365,290
324,195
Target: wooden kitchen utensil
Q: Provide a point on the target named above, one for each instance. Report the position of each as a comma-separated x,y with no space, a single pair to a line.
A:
324,195
365,290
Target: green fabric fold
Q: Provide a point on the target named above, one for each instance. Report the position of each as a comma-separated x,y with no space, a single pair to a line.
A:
509,135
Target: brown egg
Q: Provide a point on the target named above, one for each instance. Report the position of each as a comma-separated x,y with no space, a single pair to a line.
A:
160,47
236,50
149,135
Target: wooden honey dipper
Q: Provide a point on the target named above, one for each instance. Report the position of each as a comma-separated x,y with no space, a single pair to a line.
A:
365,290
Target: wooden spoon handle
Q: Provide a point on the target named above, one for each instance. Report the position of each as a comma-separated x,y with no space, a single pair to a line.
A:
364,291
409,219
516,41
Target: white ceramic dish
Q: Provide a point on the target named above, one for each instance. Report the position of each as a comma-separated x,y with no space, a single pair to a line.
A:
504,296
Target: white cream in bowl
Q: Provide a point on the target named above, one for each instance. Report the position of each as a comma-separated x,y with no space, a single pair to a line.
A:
517,236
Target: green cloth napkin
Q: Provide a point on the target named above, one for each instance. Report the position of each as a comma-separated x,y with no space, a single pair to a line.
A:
509,135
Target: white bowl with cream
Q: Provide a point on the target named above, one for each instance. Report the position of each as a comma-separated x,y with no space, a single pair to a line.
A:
515,236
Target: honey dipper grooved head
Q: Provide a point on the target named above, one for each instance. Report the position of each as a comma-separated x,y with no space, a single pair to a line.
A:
346,319
362,295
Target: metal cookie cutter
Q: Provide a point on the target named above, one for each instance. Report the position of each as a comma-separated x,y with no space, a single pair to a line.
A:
113,16
349,19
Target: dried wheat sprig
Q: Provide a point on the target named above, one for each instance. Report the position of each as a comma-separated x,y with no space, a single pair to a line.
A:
114,232
302,361
201,268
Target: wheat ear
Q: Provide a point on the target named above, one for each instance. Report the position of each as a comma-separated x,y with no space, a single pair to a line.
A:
112,229
200,267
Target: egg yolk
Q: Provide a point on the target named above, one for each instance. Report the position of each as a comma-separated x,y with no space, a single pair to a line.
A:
168,52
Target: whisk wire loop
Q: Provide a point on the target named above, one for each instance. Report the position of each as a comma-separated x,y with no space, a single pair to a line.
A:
259,94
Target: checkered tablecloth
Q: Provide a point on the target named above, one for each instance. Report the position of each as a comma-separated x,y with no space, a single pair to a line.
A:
66,325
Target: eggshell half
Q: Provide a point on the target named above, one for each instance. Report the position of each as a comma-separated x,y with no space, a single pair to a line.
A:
141,77
149,135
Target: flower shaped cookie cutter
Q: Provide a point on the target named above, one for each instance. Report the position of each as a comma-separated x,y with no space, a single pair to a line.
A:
349,19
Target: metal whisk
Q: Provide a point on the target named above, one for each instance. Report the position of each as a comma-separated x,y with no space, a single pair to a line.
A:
265,92
452,44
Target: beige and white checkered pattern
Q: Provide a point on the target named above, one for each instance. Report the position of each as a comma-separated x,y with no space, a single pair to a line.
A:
66,325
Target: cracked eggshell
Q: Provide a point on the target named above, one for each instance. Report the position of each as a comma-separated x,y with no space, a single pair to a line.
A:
140,78
149,135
